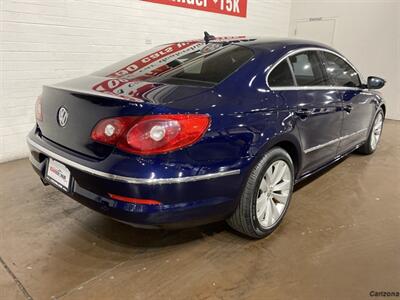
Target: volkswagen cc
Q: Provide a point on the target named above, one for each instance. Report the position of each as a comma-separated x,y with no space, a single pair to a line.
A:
195,132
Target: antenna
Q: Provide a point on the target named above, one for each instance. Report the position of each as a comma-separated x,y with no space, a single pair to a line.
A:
208,37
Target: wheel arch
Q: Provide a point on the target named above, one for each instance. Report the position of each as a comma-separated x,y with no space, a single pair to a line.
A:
383,106
290,144
292,150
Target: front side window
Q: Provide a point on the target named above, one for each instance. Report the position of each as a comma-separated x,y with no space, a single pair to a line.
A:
281,76
307,69
341,73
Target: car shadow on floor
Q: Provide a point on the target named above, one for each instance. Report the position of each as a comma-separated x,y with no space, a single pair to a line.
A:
320,173
126,235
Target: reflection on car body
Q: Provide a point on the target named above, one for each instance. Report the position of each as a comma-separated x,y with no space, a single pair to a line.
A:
195,132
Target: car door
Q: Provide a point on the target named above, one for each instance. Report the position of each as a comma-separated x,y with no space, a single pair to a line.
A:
316,105
358,104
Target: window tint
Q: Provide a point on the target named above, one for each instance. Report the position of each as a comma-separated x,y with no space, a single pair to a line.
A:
209,69
307,69
281,75
340,71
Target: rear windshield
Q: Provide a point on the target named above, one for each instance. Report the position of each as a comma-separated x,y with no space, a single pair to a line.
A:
208,69
191,63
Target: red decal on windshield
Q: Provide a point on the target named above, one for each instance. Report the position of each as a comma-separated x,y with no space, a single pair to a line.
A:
151,58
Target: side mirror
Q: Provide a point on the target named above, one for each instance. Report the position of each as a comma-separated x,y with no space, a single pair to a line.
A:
375,83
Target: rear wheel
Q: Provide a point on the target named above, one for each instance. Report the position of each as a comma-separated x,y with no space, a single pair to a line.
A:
374,136
266,195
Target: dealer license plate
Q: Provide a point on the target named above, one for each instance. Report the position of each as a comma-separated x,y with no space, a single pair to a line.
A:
58,175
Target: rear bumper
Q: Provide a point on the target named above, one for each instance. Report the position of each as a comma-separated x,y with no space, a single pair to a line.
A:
186,201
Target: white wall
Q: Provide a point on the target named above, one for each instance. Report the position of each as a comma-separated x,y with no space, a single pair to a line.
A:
366,32
47,41
44,42
397,59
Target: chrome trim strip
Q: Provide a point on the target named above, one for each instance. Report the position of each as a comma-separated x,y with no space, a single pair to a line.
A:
314,88
292,52
306,151
153,181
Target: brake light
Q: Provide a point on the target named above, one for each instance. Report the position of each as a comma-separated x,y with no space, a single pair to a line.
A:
38,109
151,135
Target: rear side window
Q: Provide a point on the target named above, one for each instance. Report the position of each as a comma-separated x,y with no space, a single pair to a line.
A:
281,76
341,73
209,69
307,69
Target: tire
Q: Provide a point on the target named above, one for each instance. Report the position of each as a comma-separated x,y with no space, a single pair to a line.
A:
248,217
374,134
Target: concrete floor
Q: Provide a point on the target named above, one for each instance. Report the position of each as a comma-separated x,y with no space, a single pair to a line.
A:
339,240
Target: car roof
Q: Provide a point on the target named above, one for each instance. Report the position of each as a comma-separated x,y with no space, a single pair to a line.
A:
276,43
267,44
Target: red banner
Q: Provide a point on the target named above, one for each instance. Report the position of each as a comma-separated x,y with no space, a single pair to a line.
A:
236,8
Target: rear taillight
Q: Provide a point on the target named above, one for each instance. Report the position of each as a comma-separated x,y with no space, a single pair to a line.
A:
151,134
109,131
38,109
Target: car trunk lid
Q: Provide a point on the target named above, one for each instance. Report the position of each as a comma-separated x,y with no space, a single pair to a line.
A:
72,109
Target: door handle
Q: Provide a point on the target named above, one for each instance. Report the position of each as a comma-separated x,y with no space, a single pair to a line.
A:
348,108
303,113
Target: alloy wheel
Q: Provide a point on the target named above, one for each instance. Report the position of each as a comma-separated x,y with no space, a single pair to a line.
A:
376,131
273,193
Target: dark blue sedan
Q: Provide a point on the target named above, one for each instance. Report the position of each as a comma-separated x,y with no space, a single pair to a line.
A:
200,131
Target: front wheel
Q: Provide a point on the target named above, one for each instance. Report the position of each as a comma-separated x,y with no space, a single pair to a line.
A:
374,135
266,195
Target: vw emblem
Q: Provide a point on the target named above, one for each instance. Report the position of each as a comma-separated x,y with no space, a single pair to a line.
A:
62,116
